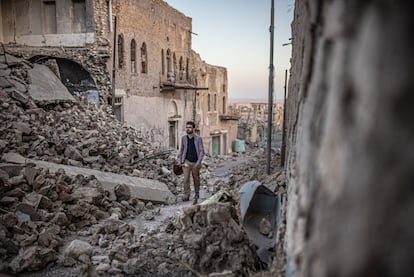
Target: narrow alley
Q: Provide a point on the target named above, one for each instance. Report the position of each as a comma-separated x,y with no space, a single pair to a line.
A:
93,106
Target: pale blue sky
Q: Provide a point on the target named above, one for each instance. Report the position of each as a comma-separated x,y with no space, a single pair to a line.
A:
235,34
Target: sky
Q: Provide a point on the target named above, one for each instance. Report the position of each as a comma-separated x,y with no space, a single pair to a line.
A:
235,34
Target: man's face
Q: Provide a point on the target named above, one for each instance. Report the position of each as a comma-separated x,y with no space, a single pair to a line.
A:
189,129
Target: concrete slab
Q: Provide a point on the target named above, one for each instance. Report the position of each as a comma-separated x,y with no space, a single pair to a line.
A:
46,86
143,189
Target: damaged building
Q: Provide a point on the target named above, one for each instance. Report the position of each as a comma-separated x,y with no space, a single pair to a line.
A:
253,118
133,55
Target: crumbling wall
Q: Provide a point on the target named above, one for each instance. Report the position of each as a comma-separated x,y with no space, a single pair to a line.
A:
93,57
351,139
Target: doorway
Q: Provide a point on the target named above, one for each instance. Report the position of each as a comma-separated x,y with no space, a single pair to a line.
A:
173,134
224,144
215,150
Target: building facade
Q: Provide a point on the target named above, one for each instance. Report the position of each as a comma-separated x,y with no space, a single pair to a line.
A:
135,55
252,124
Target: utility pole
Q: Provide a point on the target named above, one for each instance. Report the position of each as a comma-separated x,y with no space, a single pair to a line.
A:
270,108
113,68
283,150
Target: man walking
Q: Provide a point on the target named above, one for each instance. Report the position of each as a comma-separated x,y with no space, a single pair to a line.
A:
190,157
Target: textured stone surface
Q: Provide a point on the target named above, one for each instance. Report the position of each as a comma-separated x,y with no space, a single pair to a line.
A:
351,140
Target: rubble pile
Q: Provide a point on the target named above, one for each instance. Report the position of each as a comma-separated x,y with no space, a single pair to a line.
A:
73,133
214,240
40,208
207,239
50,217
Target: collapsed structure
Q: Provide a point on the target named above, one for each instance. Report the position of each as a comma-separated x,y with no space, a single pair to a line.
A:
135,55
70,220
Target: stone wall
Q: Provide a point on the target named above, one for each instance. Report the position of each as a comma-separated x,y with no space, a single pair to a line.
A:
216,96
160,27
91,56
351,139
144,104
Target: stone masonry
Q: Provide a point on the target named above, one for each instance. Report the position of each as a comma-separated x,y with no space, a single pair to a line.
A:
351,140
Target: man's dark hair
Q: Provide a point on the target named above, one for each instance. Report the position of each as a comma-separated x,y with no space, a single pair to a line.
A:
190,123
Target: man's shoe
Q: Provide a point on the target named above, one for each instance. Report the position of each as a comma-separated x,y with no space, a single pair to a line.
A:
195,201
185,198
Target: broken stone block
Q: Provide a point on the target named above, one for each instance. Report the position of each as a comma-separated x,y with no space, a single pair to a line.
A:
33,199
90,195
11,246
11,169
29,240
103,268
77,248
17,192
13,157
122,192
4,83
32,258
3,143
225,273
22,127
72,153
28,210
7,200
76,210
8,220
60,219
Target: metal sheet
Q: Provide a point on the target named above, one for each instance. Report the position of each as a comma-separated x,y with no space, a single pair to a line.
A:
259,204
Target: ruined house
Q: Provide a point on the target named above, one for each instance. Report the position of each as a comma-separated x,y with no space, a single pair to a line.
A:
252,123
134,55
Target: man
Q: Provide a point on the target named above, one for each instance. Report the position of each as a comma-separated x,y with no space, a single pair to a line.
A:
190,157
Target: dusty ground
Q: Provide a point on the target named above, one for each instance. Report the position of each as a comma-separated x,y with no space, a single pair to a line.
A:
218,174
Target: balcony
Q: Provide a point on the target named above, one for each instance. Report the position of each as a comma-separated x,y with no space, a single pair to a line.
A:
230,116
173,84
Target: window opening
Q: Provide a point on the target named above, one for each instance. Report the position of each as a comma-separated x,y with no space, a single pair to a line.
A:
162,62
133,56
120,51
144,64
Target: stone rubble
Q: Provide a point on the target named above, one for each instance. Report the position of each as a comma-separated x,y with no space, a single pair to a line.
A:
49,218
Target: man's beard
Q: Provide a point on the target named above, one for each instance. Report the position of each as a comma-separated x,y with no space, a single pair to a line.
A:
189,132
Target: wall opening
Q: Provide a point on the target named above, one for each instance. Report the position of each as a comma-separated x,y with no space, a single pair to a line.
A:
215,146
49,17
144,58
73,76
133,56
78,16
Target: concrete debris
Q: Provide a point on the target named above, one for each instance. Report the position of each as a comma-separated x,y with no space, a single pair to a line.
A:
77,248
55,213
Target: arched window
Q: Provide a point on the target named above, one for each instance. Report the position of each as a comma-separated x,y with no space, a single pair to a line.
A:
174,64
120,51
133,56
144,61
162,62
168,60
215,102
181,68
187,72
